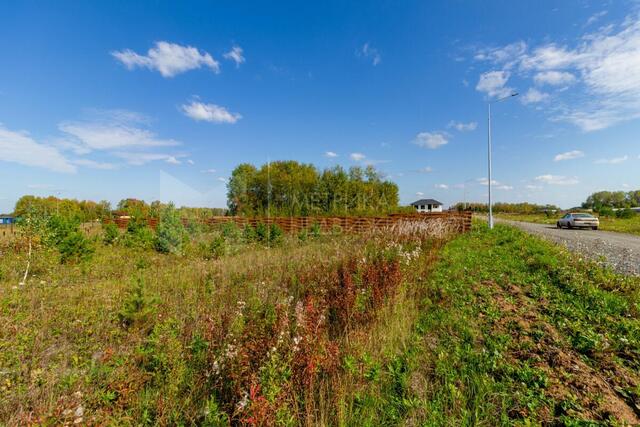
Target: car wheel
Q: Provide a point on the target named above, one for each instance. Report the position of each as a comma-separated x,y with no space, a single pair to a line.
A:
594,228
569,226
558,225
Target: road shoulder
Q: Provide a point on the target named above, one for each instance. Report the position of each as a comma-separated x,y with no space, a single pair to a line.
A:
619,251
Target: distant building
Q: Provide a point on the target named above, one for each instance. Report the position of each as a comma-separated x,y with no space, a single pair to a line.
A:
427,205
7,219
121,215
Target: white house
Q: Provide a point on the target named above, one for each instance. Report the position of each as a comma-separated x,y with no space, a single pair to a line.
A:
427,205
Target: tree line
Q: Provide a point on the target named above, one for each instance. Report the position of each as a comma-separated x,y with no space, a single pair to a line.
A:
289,188
524,207
612,199
82,210
87,210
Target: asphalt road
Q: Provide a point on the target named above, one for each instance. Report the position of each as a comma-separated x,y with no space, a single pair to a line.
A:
618,250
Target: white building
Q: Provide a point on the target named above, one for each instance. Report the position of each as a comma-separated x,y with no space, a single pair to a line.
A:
427,205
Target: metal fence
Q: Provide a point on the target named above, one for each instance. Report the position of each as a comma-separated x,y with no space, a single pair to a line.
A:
461,221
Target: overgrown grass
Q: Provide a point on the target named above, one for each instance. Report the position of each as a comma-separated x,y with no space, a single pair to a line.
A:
620,225
228,330
513,330
494,328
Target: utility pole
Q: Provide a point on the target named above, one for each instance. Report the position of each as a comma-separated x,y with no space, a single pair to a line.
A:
489,152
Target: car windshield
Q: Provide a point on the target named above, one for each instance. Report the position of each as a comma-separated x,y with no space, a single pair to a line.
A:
582,215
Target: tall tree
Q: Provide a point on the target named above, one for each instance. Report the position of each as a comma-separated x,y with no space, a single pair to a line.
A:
292,188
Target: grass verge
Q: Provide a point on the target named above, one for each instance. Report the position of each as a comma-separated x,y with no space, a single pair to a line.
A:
620,225
515,330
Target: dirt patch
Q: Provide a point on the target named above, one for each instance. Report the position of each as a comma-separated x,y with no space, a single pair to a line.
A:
586,392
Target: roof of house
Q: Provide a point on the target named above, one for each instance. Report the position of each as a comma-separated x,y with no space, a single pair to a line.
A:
426,202
6,216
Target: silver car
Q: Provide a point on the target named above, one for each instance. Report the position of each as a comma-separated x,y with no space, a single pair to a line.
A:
578,220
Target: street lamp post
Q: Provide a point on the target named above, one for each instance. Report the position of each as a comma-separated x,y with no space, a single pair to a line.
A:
489,152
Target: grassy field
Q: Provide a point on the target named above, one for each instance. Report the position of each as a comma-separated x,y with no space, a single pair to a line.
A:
246,334
385,329
621,225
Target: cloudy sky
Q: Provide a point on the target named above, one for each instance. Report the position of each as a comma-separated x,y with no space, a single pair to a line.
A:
114,99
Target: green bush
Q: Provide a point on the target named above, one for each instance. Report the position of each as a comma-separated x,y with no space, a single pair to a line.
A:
63,234
110,234
316,230
606,211
303,235
59,228
136,223
275,235
625,213
231,232
249,234
268,235
194,227
217,248
170,234
138,307
139,237
75,247
262,233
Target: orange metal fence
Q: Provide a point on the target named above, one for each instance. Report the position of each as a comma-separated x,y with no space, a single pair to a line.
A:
347,224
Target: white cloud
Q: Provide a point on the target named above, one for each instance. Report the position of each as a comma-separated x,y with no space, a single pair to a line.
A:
494,184
92,164
65,144
507,55
533,96
533,187
548,57
431,140
554,78
371,53
557,179
208,171
595,17
419,193
441,186
19,147
605,62
503,187
569,155
493,83
169,59
235,55
426,169
357,157
138,159
209,113
613,161
221,179
113,130
330,154
463,127
485,181
191,162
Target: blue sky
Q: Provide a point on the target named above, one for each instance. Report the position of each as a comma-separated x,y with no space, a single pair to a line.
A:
162,100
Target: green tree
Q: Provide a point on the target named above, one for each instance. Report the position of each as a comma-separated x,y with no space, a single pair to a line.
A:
170,233
241,190
291,188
